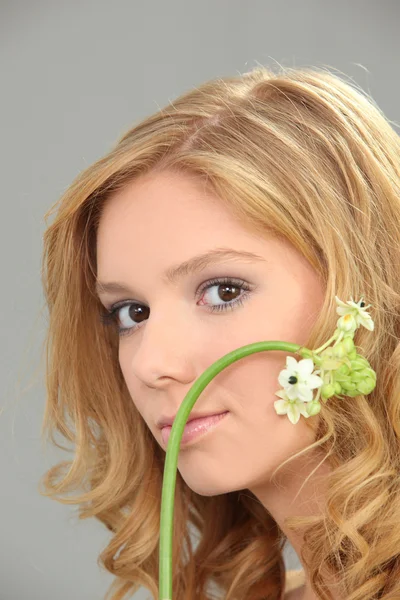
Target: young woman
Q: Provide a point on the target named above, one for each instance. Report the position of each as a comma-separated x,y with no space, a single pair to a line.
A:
236,214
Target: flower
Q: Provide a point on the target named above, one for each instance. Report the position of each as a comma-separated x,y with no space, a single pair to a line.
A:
292,408
298,379
342,369
347,323
359,312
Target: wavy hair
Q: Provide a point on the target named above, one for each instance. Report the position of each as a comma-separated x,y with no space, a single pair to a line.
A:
306,155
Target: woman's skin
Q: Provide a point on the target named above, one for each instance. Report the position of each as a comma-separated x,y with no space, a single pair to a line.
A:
159,221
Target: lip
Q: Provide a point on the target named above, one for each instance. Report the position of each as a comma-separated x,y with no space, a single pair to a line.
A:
193,416
194,429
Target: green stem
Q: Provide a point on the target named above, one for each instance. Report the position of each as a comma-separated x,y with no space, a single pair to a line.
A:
341,335
325,345
171,460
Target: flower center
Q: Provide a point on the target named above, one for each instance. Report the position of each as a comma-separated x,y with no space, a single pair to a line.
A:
292,379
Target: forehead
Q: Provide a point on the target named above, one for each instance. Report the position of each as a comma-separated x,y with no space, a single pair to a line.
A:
168,210
159,221
166,200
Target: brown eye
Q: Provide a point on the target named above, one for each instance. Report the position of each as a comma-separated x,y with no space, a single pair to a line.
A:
127,316
132,312
228,292
223,294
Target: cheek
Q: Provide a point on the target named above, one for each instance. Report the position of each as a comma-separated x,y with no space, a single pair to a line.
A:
252,389
122,359
129,378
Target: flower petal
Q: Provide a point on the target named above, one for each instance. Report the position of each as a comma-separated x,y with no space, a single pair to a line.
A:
366,321
354,304
305,367
292,391
342,307
281,407
283,378
314,381
303,409
293,413
291,363
304,393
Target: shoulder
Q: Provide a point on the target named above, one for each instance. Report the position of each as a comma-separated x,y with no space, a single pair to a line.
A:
294,579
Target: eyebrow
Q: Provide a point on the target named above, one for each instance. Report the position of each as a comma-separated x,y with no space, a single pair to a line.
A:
189,267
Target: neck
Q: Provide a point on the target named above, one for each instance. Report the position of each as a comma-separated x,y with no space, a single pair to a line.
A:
289,496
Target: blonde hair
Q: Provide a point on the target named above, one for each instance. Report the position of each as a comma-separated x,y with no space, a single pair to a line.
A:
305,155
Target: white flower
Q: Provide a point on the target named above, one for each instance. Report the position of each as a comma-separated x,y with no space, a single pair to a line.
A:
292,408
356,310
298,379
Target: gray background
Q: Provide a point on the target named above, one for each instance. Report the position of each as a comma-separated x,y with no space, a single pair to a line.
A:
74,76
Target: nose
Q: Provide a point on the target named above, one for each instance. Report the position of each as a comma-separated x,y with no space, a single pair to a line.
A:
166,349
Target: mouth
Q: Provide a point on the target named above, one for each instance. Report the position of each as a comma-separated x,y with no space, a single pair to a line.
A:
169,421
195,428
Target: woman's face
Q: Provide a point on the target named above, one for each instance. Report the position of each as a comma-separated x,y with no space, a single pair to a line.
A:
155,224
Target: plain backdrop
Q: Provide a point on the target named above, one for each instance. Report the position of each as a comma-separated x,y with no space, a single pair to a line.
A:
74,75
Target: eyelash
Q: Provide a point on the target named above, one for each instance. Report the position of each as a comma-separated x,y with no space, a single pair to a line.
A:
111,316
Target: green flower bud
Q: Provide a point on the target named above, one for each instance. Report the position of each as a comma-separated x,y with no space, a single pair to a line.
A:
349,385
328,352
327,390
363,360
339,351
313,407
358,364
366,386
330,364
348,344
353,354
347,323
369,373
358,376
337,387
343,370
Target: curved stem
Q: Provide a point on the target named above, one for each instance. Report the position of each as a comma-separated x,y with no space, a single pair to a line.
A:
325,345
171,460
341,335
